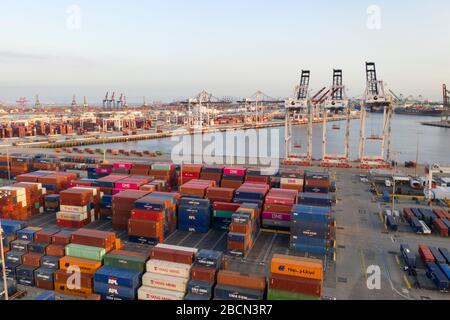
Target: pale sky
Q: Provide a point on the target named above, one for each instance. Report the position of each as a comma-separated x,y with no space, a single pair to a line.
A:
173,49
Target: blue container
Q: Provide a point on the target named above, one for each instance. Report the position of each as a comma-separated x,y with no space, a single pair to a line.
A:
193,228
445,254
417,213
251,195
311,189
437,255
310,241
194,202
386,196
408,256
151,205
445,268
308,230
47,295
25,275
437,276
115,291
236,237
235,293
203,219
195,210
26,234
45,274
202,288
36,247
197,297
10,227
143,240
14,257
209,258
315,199
10,287
50,262
415,225
20,245
391,223
310,249
118,277
219,223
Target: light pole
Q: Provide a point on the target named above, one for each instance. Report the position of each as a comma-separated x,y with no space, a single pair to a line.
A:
417,151
5,282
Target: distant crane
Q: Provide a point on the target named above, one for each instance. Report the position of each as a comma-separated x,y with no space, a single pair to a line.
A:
144,104
120,102
336,101
22,103
37,103
106,101
446,103
257,103
295,107
112,102
85,104
74,101
376,97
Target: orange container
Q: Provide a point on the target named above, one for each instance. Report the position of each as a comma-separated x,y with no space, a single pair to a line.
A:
297,267
85,265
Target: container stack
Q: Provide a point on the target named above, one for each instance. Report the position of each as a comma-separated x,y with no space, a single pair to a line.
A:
317,182
190,172
295,278
243,229
103,170
233,177
20,165
213,173
196,188
257,175
85,251
4,166
106,211
51,203
251,192
277,209
222,214
168,273
34,196
44,276
55,182
237,286
216,194
311,229
122,168
122,204
204,275
292,179
108,183
13,203
194,215
153,218
50,164
13,254
165,172
78,207
130,183
140,169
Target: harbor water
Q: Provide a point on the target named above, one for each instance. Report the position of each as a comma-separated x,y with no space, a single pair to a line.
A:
407,133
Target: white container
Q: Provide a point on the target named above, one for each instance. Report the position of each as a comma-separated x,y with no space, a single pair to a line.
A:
160,281
169,268
297,182
74,209
179,248
70,216
148,293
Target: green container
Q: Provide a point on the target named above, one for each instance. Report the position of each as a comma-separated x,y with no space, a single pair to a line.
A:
223,214
165,167
125,262
284,295
85,252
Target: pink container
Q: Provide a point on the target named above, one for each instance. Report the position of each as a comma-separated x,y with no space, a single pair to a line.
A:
279,200
277,216
103,170
124,165
235,171
127,185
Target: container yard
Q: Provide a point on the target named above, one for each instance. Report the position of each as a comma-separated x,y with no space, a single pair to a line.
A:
123,181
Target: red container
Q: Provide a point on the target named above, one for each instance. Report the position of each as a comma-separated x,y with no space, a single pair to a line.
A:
224,206
296,284
441,227
137,214
204,274
426,254
73,224
235,171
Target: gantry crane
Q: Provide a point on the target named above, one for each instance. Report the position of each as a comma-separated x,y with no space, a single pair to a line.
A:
375,96
106,101
295,108
74,102
256,105
37,103
336,101
446,104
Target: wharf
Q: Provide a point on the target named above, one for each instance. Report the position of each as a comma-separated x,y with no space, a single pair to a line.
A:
80,141
441,124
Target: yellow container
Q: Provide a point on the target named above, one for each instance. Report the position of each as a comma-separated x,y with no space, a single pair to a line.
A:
297,267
